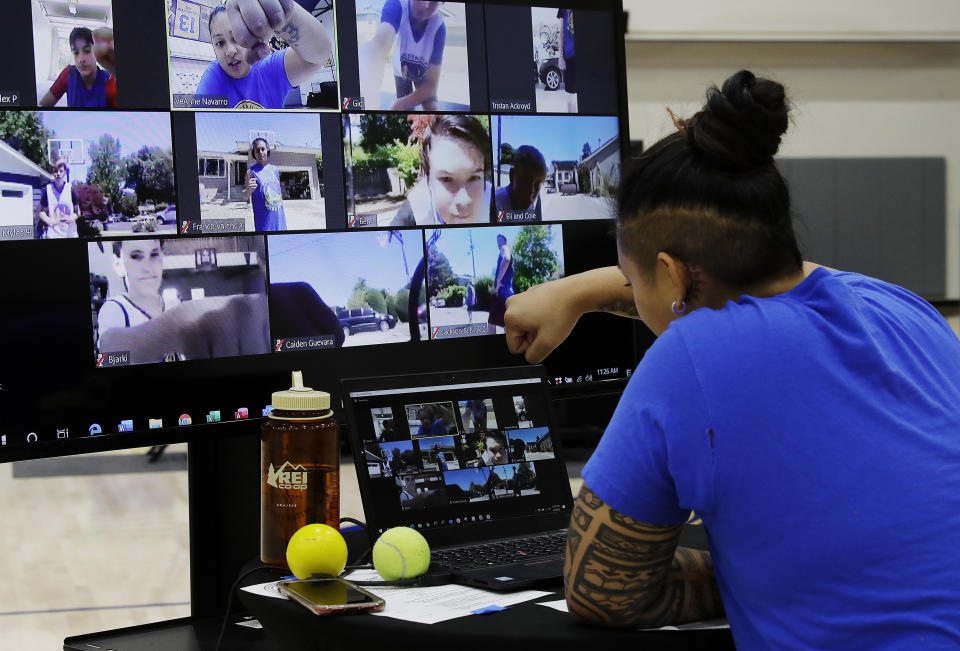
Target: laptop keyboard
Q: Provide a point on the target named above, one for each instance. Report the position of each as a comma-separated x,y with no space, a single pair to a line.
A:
501,552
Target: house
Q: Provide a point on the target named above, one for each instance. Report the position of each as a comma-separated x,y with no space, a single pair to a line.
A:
601,169
222,174
565,177
21,182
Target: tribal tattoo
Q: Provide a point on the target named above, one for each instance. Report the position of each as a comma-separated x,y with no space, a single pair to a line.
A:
623,308
624,572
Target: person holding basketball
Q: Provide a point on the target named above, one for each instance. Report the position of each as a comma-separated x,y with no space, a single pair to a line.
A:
247,71
59,206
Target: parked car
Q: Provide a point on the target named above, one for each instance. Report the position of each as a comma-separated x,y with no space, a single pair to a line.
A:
363,318
168,215
550,73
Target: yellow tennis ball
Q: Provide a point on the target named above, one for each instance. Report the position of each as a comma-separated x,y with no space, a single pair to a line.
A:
316,549
401,553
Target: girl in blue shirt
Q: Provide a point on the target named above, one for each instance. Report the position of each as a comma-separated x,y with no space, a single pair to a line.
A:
263,187
807,416
247,71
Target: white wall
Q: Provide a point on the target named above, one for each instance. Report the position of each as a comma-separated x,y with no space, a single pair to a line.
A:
851,99
43,42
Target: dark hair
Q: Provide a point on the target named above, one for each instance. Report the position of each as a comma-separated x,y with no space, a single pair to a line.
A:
117,246
710,194
529,156
462,127
81,32
216,10
254,144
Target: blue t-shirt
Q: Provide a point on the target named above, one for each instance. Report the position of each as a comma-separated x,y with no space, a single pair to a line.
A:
506,283
267,199
78,95
817,434
266,84
567,30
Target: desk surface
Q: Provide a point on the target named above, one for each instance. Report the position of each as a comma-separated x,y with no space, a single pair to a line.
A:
290,627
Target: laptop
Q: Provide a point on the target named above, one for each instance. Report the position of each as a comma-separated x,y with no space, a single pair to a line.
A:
468,459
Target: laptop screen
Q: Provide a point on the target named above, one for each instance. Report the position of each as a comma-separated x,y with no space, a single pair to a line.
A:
452,450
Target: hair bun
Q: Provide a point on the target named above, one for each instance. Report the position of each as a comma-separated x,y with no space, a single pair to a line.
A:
741,124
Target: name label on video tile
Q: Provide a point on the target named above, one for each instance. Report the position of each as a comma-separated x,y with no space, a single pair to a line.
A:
16,232
303,343
10,98
231,225
107,360
524,106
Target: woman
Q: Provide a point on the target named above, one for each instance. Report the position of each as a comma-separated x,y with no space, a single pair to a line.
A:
807,415
452,188
139,263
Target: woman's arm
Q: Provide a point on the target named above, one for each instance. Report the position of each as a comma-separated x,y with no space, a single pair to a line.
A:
425,92
539,319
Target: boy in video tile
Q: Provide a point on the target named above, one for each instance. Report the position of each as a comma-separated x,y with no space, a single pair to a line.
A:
262,186
502,286
452,188
495,450
59,205
139,263
567,58
247,70
416,32
527,175
85,83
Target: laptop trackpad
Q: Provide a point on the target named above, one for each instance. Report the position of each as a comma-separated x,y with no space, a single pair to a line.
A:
516,576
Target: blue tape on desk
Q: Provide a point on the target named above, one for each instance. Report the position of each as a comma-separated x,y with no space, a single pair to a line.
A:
486,610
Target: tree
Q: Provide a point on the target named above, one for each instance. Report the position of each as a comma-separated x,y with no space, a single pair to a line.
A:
506,153
400,304
534,262
525,476
383,129
24,131
586,150
150,174
374,298
391,303
359,296
106,170
439,270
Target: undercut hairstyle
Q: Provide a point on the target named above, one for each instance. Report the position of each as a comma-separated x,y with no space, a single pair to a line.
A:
529,157
81,32
460,127
710,194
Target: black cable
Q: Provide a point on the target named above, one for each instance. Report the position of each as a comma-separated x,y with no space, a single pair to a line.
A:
362,525
226,615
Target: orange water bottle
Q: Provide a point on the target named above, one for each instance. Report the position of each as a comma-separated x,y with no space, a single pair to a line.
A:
300,467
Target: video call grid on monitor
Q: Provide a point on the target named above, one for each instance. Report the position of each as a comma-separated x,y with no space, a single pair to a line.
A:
214,194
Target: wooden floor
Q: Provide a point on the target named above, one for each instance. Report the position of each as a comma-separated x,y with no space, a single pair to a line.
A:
89,553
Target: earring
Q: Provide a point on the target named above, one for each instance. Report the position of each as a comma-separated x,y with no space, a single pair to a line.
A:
679,310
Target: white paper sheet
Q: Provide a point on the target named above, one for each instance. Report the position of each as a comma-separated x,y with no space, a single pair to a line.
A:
440,603
561,605
424,605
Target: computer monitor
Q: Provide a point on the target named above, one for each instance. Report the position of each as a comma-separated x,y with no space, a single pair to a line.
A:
184,220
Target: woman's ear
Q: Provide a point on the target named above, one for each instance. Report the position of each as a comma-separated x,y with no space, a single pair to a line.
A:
678,274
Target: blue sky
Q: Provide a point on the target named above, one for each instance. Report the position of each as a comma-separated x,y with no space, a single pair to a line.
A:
463,478
134,130
332,262
527,435
221,131
455,244
403,446
507,471
442,441
558,137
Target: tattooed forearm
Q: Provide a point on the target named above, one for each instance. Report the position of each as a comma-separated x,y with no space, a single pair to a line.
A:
623,572
623,308
290,34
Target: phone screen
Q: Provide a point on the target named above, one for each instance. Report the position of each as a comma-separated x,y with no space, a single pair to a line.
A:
329,592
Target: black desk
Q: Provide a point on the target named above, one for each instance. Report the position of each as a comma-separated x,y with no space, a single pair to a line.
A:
287,626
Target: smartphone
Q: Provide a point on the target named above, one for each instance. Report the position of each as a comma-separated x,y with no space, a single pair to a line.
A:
331,596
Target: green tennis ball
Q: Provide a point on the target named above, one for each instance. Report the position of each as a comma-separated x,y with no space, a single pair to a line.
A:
401,553
316,549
